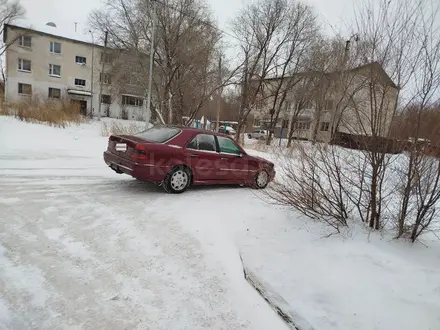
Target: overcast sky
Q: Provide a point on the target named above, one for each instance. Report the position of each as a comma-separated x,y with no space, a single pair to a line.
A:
64,13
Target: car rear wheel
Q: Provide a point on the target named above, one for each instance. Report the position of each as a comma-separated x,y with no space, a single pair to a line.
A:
261,180
177,180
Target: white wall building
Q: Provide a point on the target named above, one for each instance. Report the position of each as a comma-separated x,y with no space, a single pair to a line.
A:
41,63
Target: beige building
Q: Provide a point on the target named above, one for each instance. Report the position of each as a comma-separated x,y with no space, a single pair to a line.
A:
359,101
41,63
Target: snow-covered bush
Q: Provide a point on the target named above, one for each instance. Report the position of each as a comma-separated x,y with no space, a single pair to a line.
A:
121,127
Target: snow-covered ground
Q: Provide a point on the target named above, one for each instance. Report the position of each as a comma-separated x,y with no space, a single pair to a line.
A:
84,248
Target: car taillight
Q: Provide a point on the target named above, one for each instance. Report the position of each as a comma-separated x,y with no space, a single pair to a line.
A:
139,152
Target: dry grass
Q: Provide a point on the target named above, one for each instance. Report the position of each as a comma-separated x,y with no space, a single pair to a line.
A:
121,128
58,113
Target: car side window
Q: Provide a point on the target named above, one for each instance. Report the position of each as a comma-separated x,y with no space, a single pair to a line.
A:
228,146
203,142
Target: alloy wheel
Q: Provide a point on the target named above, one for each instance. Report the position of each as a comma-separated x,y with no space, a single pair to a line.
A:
179,180
262,179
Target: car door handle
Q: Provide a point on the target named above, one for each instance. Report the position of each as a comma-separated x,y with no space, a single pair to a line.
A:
193,156
223,158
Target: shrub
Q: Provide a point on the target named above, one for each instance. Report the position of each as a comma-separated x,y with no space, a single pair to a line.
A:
121,128
58,113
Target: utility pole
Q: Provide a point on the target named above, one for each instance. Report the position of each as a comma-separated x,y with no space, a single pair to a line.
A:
219,97
102,75
150,72
91,77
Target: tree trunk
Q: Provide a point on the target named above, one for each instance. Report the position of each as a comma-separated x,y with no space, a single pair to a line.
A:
238,132
374,216
406,196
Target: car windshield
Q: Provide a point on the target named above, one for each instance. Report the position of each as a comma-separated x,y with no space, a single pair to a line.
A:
158,133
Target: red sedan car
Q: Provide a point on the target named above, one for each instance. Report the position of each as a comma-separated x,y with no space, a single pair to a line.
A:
177,157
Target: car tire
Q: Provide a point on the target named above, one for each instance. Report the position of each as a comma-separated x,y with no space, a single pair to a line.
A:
249,136
261,180
177,181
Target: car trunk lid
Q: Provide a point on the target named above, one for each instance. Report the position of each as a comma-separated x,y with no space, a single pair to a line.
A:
128,146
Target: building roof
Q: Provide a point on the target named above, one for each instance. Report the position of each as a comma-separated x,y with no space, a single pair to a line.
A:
368,66
55,32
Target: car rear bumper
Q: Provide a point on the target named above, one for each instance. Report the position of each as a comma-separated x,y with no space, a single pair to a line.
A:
147,172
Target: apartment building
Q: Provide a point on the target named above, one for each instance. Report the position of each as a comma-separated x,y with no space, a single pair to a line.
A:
45,64
356,101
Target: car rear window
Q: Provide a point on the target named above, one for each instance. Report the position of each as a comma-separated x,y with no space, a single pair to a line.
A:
158,133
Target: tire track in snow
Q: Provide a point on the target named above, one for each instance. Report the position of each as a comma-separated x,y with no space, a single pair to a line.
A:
101,247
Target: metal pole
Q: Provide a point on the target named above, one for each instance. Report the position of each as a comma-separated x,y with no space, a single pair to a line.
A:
91,78
101,75
150,72
219,100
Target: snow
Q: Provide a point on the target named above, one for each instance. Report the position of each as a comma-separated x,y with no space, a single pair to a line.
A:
358,282
62,29
84,248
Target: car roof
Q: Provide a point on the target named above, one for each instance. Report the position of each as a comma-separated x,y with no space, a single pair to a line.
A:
196,130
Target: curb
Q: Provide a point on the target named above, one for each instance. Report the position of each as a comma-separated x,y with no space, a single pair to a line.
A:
293,320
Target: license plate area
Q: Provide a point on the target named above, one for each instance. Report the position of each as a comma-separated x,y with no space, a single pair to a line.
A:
122,147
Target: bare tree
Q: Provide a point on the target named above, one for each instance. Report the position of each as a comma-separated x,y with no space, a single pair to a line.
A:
313,183
391,33
420,174
187,44
302,27
395,65
271,36
302,100
9,13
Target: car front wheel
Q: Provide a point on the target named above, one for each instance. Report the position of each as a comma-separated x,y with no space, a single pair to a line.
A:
261,180
177,181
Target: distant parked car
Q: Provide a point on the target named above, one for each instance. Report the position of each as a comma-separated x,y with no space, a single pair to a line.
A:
176,158
258,134
228,130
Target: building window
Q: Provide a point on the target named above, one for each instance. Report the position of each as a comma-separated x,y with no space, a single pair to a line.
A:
105,78
106,99
25,41
55,70
302,125
325,126
80,82
25,89
132,100
285,123
106,58
80,59
55,47
24,65
328,104
54,93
